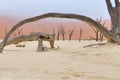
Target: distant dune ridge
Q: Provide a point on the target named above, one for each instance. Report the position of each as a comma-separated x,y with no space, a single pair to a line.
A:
48,25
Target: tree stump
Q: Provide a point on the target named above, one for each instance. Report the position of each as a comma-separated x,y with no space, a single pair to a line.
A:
51,44
40,45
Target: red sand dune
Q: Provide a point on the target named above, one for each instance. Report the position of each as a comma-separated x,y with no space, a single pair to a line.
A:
48,25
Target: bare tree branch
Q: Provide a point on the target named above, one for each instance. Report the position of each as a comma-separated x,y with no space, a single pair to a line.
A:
109,35
116,3
58,33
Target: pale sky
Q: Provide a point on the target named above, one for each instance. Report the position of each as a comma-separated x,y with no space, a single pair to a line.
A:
29,8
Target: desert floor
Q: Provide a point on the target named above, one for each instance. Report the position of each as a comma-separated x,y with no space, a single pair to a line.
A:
70,62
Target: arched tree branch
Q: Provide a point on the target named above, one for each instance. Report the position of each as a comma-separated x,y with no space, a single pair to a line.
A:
98,26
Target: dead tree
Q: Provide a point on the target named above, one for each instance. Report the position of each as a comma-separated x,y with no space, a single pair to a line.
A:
101,37
53,31
6,31
62,30
80,35
96,32
71,33
14,34
114,12
19,32
112,36
58,33
103,24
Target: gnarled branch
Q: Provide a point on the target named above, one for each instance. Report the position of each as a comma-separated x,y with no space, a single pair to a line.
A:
32,37
98,26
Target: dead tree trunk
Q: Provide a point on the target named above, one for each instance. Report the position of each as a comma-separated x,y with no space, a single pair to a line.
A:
40,45
96,32
101,37
52,43
115,17
70,34
20,32
62,30
58,33
32,37
109,35
80,36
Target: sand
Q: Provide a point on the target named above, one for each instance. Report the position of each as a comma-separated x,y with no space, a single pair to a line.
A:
70,62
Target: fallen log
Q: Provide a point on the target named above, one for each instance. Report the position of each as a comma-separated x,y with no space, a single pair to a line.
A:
33,37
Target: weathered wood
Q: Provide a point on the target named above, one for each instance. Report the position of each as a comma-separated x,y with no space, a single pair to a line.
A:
115,17
20,45
32,37
51,44
109,35
40,45
101,37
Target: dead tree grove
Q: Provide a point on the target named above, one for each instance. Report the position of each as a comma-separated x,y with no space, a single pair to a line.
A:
113,35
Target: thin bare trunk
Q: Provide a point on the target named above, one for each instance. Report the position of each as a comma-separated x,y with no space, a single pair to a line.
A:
101,37
6,31
70,34
80,36
58,33
115,17
62,30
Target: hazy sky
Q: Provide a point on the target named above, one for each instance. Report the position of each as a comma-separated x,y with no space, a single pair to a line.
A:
29,8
